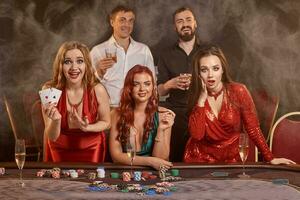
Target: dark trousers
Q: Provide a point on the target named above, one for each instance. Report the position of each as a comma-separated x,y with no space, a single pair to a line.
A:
179,135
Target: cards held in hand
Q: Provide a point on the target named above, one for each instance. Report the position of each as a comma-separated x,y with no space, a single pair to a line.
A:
50,95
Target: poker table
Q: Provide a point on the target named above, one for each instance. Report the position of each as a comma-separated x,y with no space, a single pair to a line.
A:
218,181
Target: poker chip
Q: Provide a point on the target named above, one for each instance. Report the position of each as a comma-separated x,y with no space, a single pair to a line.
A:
137,176
145,174
152,176
165,184
48,173
40,173
72,170
55,174
114,175
150,192
97,188
80,171
173,189
174,172
161,190
92,175
126,176
65,173
100,172
173,178
122,186
125,190
162,172
74,174
56,169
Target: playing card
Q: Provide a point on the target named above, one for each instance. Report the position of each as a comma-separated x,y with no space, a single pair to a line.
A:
54,95
44,95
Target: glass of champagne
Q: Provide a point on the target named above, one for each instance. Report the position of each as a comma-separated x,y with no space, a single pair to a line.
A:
243,150
131,147
20,153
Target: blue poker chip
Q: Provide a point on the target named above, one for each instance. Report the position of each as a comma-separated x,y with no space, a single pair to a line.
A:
100,189
150,192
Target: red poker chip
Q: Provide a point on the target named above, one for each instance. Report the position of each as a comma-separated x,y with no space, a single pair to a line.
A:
145,174
152,176
55,174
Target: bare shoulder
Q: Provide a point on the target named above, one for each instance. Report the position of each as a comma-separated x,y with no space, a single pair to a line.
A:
100,89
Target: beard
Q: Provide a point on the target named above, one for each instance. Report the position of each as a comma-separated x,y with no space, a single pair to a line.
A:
186,36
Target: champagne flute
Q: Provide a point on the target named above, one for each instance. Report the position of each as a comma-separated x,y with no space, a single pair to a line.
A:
243,150
131,147
20,153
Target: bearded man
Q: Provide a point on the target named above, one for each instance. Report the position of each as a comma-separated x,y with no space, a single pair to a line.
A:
174,77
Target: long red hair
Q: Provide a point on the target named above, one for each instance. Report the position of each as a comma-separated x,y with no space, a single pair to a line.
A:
127,106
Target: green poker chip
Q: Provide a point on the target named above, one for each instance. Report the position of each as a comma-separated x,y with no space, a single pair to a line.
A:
174,172
114,175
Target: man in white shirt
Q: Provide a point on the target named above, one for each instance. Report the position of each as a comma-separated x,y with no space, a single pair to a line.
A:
129,53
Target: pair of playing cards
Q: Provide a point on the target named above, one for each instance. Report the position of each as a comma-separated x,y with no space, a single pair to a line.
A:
50,95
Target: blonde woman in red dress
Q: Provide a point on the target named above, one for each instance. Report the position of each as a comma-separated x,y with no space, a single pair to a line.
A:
220,110
74,127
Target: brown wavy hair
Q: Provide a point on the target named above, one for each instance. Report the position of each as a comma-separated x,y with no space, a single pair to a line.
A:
127,106
196,84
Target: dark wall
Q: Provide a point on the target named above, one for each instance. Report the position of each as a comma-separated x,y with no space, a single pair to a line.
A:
260,38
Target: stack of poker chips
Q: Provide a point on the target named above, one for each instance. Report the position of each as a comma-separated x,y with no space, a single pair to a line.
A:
92,176
162,172
148,175
126,176
73,173
65,173
2,170
137,176
100,172
80,171
41,173
165,184
55,173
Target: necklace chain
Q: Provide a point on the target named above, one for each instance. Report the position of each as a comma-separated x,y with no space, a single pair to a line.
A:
75,105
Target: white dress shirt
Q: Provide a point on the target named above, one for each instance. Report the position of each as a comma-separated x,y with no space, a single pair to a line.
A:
113,79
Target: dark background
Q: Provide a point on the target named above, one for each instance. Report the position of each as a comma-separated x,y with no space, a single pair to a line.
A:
260,38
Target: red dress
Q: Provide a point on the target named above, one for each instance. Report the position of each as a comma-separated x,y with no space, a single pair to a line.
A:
216,139
74,145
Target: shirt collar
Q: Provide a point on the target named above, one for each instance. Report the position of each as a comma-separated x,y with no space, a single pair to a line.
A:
112,40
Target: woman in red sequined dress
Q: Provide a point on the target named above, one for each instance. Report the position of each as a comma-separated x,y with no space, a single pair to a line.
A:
74,127
219,112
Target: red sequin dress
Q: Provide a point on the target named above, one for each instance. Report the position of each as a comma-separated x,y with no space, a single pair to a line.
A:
74,145
216,139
